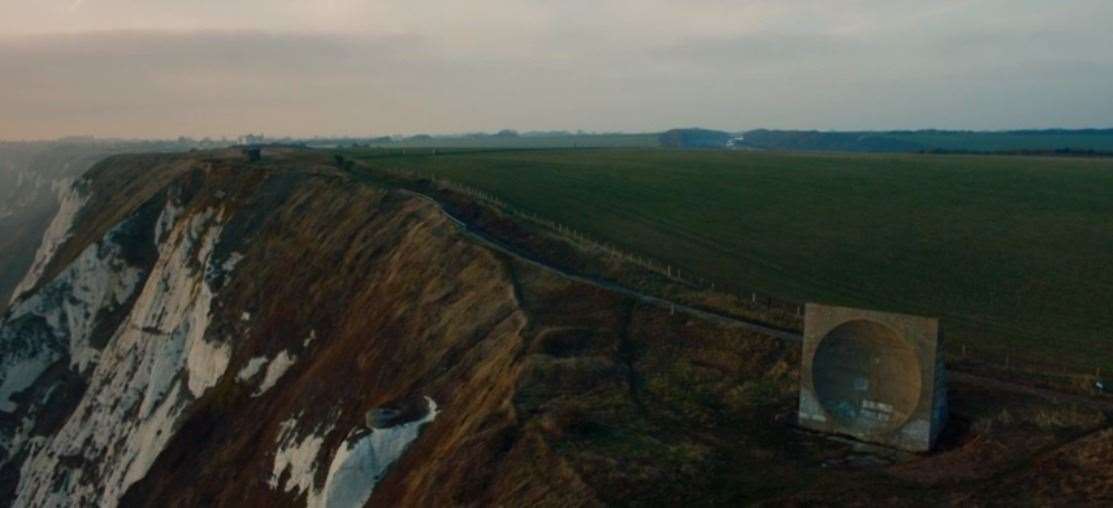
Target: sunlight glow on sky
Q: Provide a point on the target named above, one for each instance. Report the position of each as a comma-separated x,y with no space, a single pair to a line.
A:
286,67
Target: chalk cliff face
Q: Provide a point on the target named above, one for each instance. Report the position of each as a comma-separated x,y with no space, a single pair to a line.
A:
198,330
37,194
114,344
35,181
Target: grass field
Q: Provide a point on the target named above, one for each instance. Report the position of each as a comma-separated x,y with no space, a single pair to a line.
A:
1015,253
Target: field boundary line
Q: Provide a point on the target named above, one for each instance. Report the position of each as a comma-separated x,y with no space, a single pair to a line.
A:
691,279
610,286
958,376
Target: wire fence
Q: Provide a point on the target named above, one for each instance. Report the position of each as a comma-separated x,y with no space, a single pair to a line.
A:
672,272
993,359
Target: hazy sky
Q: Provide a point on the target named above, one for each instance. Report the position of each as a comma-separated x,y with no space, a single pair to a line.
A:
159,68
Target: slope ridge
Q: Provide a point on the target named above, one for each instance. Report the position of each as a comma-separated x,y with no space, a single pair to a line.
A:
217,332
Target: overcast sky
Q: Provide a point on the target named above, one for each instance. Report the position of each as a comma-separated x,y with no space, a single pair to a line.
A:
162,68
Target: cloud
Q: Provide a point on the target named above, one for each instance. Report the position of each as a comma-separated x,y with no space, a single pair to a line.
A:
346,66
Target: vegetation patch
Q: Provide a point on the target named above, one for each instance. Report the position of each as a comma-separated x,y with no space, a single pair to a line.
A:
1012,252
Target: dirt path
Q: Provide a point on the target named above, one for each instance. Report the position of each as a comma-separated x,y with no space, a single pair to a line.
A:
1052,396
720,319
733,322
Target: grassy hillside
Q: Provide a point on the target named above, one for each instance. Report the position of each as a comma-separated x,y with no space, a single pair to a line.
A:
1013,252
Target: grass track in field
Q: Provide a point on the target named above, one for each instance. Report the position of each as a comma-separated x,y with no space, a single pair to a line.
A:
1013,252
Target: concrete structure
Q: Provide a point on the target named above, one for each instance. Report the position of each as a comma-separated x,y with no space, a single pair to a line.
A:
875,376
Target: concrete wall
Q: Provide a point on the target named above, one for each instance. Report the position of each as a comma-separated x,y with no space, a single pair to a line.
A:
875,376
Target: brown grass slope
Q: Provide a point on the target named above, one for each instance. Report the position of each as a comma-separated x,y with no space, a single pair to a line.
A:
552,392
543,383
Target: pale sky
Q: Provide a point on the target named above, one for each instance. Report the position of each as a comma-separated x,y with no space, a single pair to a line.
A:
163,68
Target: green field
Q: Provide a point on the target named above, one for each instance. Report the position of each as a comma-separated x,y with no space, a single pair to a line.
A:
1015,253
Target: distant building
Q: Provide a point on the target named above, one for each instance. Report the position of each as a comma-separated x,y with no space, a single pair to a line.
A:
250,139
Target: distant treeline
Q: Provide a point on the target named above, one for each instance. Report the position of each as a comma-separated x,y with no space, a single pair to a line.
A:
694,138
1051,142
1020,142
506,138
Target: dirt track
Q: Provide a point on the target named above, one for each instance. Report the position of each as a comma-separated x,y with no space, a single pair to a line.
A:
728,321
609,286
1043,393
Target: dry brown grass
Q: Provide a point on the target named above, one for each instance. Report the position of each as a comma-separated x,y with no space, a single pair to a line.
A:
1066,418
552,391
